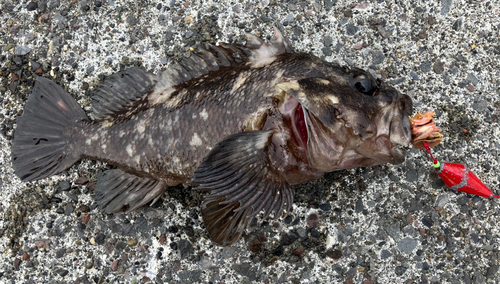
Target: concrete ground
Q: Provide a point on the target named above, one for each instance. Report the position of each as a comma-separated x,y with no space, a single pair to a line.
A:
385,224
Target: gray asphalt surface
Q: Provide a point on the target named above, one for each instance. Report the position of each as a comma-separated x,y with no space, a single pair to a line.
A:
385,224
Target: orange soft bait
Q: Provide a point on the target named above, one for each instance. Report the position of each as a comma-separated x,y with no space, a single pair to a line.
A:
423,130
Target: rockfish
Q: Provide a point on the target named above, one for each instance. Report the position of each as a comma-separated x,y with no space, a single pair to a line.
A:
243,122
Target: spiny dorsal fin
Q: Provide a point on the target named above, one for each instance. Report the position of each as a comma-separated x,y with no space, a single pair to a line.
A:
130,91
281,43
256,51
264,53
254,42
198,64
201,62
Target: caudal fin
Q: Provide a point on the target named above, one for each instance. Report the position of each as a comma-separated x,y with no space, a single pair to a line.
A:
40,147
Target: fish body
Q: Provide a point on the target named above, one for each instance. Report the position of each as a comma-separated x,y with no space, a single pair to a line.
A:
243,122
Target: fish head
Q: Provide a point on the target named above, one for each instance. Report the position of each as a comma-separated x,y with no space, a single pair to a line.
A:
347,119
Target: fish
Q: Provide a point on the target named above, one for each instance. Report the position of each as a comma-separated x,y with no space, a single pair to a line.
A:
241,122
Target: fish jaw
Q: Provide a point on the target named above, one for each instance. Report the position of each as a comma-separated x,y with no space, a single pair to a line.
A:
400,133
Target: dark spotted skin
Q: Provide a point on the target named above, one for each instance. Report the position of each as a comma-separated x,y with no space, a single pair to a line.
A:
168,142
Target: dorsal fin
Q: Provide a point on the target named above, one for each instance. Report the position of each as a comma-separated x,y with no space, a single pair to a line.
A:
238,53
281,43
209,58
253,42
122,93
264,53
198,64
132,90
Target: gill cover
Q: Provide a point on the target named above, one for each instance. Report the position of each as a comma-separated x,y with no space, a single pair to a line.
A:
333,102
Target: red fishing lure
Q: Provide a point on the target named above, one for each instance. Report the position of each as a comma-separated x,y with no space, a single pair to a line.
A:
459,177
456,176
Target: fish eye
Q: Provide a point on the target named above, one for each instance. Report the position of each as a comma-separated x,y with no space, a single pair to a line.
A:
364,85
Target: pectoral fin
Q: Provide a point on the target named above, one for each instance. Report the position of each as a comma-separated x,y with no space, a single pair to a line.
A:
116,189
242,182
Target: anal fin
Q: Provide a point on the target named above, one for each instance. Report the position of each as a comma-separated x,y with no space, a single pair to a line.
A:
116,189
242,181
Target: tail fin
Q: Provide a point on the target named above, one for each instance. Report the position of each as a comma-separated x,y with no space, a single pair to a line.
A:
40,146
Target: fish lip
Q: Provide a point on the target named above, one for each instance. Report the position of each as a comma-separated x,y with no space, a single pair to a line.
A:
400,132
400,126
398,154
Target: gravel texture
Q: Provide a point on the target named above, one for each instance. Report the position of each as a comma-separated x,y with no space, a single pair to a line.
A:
385,224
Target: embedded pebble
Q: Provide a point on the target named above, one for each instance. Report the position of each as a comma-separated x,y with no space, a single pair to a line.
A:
302,232
411,176
325,207
426,66
407,245
313,220
438,67
351,29
120,245
132,242
32,6
64,185
22,50
378,57
61,271
185,248
446,6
